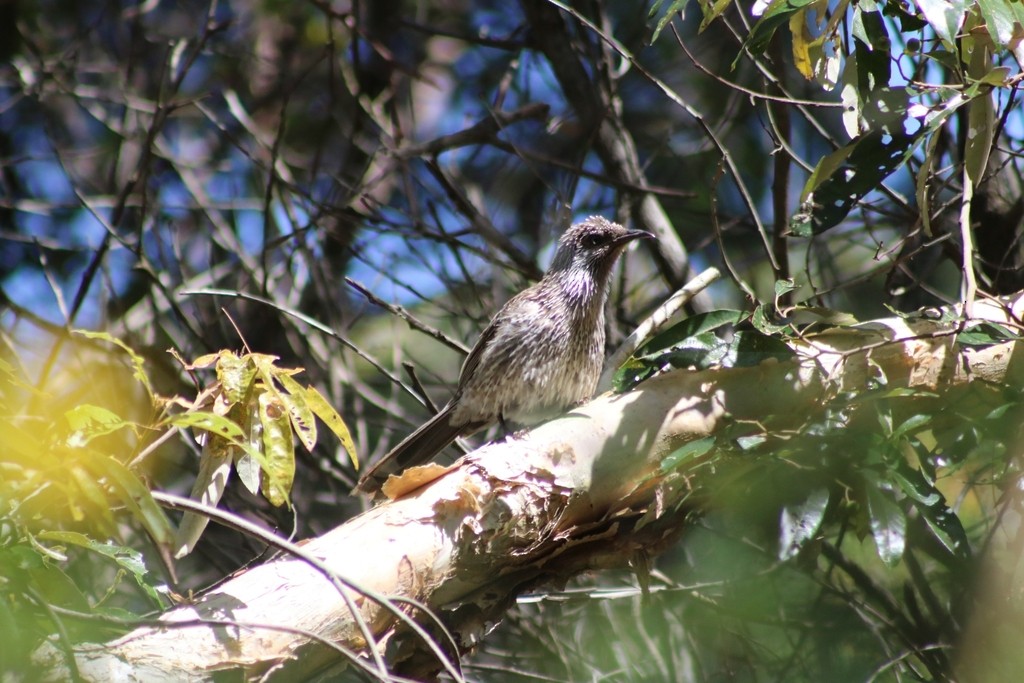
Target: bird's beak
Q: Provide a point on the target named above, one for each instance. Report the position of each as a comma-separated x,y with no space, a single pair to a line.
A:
635,235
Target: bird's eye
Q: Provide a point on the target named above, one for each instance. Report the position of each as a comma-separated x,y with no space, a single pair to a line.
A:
593,240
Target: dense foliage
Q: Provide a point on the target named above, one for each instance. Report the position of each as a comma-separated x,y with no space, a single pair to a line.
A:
353,187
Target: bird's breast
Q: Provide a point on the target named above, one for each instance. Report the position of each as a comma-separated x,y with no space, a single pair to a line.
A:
546,356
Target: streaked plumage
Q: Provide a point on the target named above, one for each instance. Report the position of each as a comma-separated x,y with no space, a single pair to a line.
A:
542,353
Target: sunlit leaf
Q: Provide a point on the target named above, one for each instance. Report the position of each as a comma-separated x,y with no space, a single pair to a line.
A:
279,449
633,372
674,8
945,17
911,424
89,421
135,496
125,557
981,113
799,523
235,375
138,362
843,177
777,14
247,464
690,327
888,525
330,417
687,452
303,422
1004,20
761,320
711,11
208,488
210,422
802,41
986,334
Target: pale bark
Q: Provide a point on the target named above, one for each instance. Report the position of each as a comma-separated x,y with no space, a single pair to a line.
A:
580,492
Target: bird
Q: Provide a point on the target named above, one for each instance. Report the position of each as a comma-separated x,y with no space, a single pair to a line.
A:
541,354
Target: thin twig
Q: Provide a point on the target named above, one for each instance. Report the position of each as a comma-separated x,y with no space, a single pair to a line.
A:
414,322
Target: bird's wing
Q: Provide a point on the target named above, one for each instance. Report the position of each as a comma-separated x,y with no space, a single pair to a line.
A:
473,359
521,311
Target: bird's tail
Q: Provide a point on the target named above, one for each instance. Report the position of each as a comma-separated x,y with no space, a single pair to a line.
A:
415,449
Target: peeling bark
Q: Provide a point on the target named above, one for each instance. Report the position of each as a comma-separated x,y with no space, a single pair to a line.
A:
581,492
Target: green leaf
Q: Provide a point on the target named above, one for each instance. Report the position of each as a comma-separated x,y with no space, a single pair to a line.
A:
947,529
58,588
762,322
913,483
633,372
15,652
690,327
101,517
998,412
752,348
785,286
777,14
931,505
135,496
676,7
843,177
19,559
888,525
981,114
1004,20
219,425
89,421
711,11
751,441
138,362
701,351
986,334
125,557
945,17
799,523
685,453
911,424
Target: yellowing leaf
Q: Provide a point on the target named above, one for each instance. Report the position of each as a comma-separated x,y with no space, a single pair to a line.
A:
203,361
802,43
235,375
330,417
279,449
301,416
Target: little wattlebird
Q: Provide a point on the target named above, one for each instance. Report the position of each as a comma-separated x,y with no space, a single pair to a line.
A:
542,353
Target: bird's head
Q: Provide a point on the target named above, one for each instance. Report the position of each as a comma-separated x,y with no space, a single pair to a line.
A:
592,246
